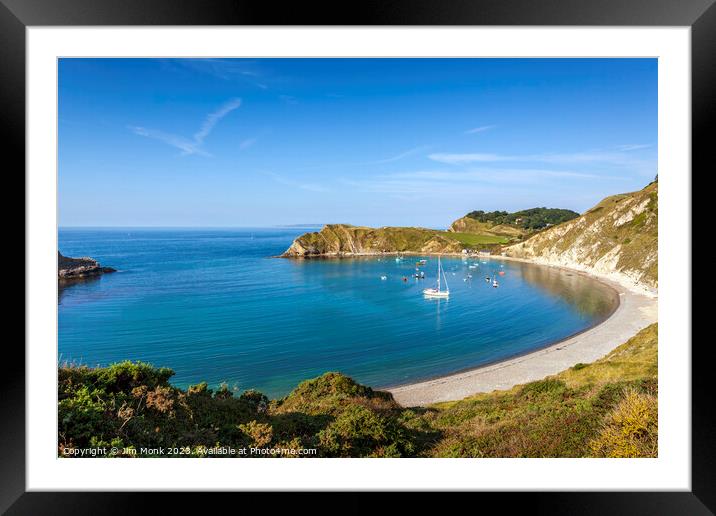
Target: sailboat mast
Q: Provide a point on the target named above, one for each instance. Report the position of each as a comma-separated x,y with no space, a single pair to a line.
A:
438,273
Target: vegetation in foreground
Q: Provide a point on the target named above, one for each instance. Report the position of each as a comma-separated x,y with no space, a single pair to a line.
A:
604,409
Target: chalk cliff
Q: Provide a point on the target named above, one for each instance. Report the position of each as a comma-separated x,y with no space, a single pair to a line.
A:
618,238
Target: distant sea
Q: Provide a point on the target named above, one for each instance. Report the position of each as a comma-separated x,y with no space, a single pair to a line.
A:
215,305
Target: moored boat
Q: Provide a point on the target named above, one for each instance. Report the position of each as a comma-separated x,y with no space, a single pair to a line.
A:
438,292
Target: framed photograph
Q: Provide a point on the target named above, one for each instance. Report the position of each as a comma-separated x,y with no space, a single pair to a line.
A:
417,248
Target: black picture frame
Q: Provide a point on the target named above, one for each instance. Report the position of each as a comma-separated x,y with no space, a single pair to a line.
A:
700,15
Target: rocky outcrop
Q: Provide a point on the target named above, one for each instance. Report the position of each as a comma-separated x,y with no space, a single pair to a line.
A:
618,239
347,240
76,268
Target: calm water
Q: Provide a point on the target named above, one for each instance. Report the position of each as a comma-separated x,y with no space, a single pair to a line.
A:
214,306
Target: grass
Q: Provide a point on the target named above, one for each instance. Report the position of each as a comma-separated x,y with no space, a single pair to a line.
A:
576,413
472,239
607,408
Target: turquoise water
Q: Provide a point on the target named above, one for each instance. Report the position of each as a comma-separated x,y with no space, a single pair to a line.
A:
213,305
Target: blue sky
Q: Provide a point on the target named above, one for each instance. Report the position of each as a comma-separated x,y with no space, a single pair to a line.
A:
262,142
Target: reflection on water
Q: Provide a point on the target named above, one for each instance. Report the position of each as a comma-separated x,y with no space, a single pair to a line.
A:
440,305
64,285
587,296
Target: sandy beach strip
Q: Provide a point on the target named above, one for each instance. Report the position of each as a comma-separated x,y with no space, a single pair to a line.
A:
635,312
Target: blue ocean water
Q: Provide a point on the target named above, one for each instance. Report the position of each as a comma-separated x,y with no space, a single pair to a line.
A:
216,306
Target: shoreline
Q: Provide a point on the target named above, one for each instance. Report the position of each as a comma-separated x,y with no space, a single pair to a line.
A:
616,278
617,304
635,311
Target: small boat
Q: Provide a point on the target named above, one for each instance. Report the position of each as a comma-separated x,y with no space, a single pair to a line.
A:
438,292
501,273
487,279
384,278
494,283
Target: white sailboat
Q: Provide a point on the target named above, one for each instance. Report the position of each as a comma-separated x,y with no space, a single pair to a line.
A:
438,292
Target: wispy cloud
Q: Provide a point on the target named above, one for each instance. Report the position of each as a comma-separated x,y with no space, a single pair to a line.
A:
430,184
495,174
249,142
390,159
181,143
311,187
480,129
632,147
241,70
288,99
457,159
213,118
194,145
400,156
577,158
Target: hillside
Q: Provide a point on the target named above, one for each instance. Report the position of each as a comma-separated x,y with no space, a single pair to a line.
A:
604,409
472,226
617,238
476,230
344,239
519,223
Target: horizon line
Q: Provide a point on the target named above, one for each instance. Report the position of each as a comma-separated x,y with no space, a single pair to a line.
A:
189,227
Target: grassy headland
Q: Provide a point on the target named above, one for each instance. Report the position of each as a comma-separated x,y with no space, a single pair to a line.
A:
477,230
604,409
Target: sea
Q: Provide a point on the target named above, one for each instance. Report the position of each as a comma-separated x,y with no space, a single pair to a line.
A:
217,305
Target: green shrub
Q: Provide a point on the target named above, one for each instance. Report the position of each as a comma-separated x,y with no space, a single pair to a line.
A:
548,386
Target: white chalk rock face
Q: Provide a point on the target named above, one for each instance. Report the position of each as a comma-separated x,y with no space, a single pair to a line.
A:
617,239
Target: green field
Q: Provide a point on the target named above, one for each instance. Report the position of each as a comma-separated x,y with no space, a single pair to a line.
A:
471,239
